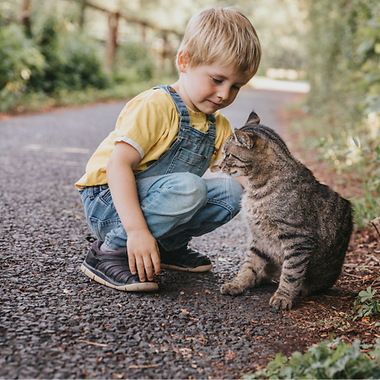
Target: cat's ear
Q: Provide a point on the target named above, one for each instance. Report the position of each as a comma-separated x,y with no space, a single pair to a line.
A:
243,139
253,118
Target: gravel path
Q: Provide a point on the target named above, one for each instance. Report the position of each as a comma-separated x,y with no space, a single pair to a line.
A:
57,323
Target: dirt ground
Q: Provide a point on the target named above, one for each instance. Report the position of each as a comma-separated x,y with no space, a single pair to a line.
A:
331,312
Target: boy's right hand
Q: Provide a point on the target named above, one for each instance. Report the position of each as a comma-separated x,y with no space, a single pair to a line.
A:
142,247
143,254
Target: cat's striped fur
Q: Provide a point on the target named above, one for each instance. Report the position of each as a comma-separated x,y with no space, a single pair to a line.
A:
300,228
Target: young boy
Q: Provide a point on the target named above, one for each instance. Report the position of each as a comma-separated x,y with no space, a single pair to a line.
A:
143,194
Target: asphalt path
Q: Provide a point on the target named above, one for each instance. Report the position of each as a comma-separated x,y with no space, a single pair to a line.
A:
57,323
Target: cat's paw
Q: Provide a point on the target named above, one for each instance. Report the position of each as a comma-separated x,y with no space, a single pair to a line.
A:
232,288
280,302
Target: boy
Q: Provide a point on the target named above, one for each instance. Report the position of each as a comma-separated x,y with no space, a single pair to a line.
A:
143,194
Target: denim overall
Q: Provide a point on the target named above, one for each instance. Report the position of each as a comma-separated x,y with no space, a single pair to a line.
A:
176,202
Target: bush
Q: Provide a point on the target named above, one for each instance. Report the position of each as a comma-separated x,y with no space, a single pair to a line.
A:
71,61
21,61
56,60
134,63
32,71
58,67
344,100
336,360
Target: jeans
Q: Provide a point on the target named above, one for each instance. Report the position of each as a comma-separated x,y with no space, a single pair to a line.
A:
176,207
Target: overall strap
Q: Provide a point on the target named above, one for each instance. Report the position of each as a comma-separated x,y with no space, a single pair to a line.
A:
181,106
211,118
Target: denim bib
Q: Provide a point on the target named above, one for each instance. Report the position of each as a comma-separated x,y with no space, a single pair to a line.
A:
193,149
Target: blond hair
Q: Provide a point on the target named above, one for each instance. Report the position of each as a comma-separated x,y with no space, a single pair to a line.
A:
222,35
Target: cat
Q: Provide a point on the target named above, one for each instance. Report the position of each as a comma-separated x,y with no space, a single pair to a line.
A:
300,229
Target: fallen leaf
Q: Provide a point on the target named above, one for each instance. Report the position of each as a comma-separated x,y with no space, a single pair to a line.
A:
93,343
118,375
185,351
230,355
142,366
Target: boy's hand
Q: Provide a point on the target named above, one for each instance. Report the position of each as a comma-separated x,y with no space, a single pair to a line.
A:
242,180
143,254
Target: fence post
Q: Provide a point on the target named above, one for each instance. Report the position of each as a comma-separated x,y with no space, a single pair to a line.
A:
25,16
82,9
111,43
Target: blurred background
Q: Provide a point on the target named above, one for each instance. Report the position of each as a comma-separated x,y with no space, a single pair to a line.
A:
70,45
70,52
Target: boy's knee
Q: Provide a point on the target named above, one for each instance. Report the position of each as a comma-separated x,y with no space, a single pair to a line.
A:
191,189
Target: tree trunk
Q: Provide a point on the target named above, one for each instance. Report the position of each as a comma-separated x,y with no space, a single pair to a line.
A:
167,54
111,44
82,5
143,33
26,6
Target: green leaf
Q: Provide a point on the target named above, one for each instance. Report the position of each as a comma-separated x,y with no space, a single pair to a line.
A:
366,45
346,355
323,362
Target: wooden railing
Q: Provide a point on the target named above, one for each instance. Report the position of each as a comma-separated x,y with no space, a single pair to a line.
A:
113,25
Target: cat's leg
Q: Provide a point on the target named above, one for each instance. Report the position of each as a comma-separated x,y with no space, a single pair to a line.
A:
251,273
296,258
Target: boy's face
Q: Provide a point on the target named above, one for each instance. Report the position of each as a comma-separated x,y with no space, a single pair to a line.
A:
208,88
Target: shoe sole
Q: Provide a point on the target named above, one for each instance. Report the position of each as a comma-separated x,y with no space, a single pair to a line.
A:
142,287
203,268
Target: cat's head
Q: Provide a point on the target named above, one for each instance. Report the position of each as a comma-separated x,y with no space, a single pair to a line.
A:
251,149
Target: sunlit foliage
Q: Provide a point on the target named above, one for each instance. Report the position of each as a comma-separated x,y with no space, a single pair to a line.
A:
344,73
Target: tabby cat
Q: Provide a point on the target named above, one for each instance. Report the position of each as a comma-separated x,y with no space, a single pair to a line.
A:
300,228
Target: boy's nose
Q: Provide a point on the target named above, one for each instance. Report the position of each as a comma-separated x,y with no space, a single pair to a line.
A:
224,93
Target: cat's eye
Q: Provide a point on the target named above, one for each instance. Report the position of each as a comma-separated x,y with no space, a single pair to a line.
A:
230,155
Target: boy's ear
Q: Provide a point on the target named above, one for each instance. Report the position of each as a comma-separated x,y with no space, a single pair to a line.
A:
182,61
253,118
243,139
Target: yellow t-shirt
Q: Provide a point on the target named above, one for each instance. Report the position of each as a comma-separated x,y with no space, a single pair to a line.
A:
149,123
